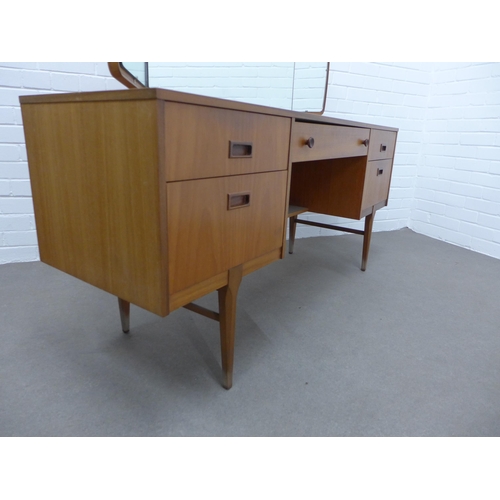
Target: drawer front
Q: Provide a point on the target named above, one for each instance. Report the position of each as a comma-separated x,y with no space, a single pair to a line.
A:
215,224
330,141
202,142
377,182
382,145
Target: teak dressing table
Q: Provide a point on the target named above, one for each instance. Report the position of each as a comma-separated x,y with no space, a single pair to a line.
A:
160,197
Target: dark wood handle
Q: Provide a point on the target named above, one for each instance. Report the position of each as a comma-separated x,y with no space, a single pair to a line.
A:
309,142
365,143
238,200
240,149
383,148
380,171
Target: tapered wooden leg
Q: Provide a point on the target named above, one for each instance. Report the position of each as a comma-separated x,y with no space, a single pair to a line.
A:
367,238
124,314
291,236
227,318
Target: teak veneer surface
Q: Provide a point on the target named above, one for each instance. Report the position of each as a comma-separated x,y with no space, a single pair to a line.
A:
209,238
183,97
98,162
330,141
380,138
95,181
106,214
197,141
331,187
142,194
376,187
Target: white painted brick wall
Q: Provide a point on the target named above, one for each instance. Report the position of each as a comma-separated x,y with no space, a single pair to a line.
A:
457,189
446,178
18,242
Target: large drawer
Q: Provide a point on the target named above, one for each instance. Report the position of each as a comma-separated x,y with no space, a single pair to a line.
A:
216,224
202,142
328,141
382,144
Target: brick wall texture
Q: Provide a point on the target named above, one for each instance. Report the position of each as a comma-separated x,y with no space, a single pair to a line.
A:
446,178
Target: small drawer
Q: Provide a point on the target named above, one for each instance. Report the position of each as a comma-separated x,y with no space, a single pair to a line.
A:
377,182
312,141
202,142
216,224
382,145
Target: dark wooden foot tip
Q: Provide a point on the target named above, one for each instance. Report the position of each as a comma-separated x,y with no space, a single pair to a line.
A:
124,307
228,383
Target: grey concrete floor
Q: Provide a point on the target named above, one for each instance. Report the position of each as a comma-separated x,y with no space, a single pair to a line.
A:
411,347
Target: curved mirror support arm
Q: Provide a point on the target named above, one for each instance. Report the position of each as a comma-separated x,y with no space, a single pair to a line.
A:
326,86
326,91
119,72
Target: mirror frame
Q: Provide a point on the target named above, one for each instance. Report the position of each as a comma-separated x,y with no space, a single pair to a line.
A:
120,73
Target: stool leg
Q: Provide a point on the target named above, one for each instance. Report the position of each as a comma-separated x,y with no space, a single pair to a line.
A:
366,239
293,228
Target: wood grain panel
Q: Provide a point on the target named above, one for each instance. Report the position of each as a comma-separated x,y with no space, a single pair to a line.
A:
179,299
183,97
197,142
331,187
382,145
95,174
377,181
330,141
205,238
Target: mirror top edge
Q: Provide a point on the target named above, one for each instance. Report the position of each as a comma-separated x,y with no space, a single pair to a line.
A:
289,86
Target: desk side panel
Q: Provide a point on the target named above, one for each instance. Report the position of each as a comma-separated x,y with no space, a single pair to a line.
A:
94,169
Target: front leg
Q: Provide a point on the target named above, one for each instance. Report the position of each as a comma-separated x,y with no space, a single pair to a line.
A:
227,319
124,314
291,237
367,238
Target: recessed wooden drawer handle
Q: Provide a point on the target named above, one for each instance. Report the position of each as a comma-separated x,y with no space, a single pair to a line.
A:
365,143
380,171
240,149
309,142
383,147
238,200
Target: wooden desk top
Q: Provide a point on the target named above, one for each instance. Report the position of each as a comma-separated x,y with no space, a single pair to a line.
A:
183,97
